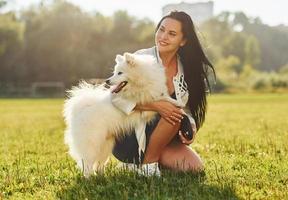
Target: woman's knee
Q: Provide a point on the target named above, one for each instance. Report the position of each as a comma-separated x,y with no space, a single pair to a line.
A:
181,158
194,162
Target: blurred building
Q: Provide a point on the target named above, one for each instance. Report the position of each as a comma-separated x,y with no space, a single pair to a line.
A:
199,11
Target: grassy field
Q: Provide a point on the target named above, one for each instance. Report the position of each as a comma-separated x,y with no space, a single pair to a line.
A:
243,143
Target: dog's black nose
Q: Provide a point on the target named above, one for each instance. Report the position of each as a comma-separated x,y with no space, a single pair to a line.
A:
108,82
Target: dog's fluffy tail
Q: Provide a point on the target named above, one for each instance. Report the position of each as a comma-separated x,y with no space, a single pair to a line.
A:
73,101
82,87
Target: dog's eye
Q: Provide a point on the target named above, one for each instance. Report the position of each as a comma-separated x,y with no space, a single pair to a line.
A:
119,73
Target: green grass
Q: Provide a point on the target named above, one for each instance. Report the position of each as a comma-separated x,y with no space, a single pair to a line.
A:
243,143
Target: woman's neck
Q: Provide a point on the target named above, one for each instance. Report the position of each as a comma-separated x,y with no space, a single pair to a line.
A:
168,58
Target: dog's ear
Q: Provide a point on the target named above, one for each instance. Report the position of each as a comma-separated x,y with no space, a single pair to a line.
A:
119,58
130,59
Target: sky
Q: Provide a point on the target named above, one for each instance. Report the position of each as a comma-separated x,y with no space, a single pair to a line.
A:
272,12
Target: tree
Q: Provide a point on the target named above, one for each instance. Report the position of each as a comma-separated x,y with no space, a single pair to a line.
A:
11,37
252,51
235,45
272,42
215,33
62,43
255,43
2,3
229,65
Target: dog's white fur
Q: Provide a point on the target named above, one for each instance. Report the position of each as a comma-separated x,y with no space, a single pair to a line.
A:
92,120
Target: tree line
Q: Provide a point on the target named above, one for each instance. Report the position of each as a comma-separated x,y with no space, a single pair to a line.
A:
60,42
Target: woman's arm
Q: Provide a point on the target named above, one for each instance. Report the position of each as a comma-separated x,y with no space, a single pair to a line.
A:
167,110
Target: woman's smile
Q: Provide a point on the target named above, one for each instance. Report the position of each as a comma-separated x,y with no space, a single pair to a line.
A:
162,43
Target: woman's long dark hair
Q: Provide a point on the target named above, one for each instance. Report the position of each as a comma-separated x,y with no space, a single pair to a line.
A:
195,66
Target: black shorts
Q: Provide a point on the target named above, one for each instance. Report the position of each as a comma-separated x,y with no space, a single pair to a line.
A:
126,148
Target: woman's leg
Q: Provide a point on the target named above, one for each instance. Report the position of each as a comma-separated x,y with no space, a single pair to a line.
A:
160,138
180,157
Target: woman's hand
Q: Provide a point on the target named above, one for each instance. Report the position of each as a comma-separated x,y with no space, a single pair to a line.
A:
168,111
184,140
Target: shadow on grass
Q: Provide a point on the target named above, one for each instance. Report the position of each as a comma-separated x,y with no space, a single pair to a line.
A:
129,185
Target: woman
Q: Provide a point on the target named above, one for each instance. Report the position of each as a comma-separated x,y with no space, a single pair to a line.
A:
179,51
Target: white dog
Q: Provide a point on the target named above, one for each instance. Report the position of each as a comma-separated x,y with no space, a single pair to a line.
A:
92,120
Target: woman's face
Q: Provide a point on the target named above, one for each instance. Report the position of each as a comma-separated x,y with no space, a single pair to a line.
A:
169,36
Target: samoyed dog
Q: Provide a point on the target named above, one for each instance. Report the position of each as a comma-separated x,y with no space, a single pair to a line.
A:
93,121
